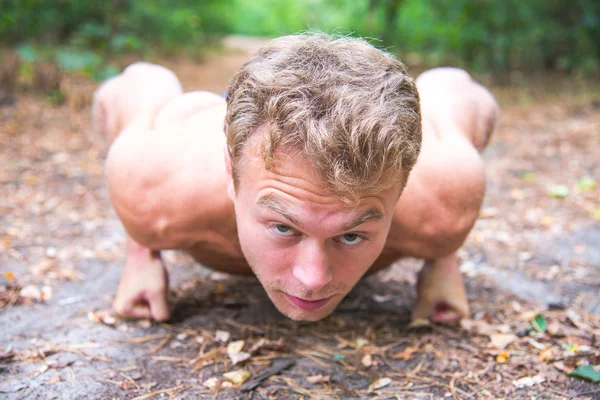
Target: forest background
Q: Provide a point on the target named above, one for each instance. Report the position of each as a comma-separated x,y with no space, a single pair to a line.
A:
507,39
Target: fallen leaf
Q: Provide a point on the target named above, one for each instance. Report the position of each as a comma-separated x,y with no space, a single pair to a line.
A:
318,379
586,372
46,293
235,347
361,342
103,316
558,191
419,323
237,377
379,383
478,327
537,345
586,183
546,355
502,358
406,354
31,292
539,323
222,336
501,340
278,344
528,381
237,358
367,360
211,383
528,176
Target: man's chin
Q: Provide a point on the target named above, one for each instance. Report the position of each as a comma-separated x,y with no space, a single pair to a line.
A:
287,308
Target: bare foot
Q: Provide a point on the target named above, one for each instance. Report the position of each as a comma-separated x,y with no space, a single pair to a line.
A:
441,295
143,287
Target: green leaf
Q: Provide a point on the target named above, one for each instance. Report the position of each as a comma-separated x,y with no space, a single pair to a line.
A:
539,323
27,53
558,191
106,73
528,176
586,183
586,372
71,60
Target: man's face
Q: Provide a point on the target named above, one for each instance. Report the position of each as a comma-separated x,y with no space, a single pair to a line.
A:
307,248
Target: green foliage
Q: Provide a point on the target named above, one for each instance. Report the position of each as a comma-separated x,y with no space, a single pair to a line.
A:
483,35
586,372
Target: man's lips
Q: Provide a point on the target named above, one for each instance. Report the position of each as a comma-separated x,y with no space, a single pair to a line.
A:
307,304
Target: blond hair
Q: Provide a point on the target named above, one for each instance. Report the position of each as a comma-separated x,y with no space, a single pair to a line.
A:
352,109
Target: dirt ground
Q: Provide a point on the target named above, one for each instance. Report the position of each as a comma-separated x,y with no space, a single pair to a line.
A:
532,265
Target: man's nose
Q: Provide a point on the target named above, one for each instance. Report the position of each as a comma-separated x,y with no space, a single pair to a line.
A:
312,267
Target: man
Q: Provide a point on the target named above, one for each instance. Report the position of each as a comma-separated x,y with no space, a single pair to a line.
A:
309,187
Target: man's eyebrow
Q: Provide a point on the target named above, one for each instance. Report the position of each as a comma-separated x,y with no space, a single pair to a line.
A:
371,214
273,203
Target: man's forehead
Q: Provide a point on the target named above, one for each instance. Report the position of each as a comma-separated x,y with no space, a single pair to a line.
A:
354,216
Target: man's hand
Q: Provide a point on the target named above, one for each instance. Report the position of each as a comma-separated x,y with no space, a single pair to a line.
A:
143,289
441,295
133,98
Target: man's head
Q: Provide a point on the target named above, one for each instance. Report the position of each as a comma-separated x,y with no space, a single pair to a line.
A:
321,134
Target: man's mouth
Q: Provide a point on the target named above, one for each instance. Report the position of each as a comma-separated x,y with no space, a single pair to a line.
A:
308,304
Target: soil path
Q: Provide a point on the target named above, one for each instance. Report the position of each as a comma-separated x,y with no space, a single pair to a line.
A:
534,250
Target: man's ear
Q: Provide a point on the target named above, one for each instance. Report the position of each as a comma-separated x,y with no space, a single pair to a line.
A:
230,184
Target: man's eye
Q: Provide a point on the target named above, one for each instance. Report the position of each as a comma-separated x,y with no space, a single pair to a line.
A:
282,230
351,239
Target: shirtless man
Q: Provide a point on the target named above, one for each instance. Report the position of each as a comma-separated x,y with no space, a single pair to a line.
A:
309,187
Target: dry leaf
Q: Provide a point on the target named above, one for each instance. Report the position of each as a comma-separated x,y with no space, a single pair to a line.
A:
537,345
360,342
211,383
222,336
478,327
419,323
406,354
235,347
367,360
501,340
31,292
502,358
379,383
237,377
318,379
237,358
547,355
103,316
528,381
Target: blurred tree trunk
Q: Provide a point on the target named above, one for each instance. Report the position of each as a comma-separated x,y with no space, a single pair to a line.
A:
390,12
